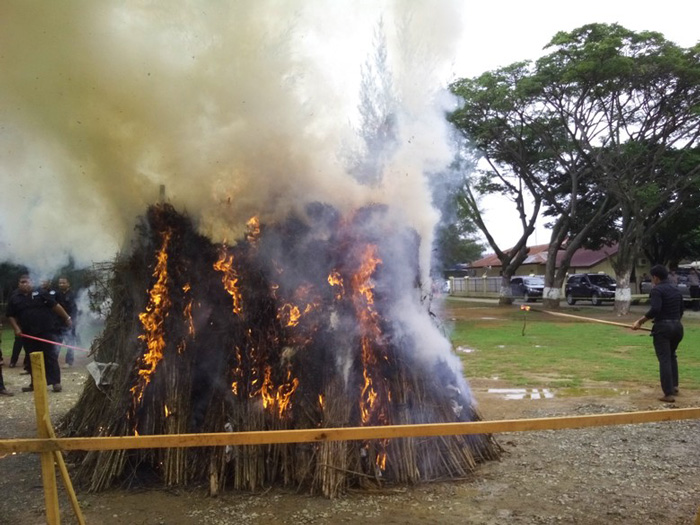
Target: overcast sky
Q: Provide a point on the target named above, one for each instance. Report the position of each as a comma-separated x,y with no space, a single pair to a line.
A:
104,103
499,33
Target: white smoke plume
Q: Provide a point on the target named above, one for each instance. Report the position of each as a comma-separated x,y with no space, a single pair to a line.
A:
238,108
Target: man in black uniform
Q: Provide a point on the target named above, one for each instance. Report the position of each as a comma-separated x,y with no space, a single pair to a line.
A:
17,348
666,311
66,298
33,313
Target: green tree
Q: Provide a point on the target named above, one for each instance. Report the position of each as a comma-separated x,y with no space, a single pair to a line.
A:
9,277
605,126
509,157
678,238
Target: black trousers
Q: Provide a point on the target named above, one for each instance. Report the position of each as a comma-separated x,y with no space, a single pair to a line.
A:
667,336
16,350
68,337
50,351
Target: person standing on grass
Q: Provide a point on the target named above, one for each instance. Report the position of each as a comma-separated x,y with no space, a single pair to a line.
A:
666,310
33,313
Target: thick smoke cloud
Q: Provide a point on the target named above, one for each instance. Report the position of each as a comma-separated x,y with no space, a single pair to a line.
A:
237,108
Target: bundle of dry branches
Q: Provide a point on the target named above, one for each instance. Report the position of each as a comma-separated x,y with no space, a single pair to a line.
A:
211,338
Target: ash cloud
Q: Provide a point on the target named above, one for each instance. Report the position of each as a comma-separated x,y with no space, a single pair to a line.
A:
238,109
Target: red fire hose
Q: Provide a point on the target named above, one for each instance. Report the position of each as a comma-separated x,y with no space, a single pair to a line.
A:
54,342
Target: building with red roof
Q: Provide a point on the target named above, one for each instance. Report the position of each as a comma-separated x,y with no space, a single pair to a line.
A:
583,261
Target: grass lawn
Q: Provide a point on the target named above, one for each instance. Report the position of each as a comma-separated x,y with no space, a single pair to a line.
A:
557,352
8,339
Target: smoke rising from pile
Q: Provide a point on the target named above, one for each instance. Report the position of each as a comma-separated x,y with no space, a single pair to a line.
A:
237,108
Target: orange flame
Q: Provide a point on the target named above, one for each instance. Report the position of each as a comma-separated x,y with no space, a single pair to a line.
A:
188,311
277,399
237,372
289,314
253,234
363,287
374,396
152,320
381,456
305,300
229,279
335,279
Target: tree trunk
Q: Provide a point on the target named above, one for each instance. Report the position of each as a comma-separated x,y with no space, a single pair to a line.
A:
505,296
623,294
551,297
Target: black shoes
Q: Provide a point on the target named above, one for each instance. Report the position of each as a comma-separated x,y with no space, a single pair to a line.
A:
5,392
28,388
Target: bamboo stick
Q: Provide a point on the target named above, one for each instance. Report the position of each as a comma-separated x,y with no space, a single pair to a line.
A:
589,319
66,478
344,434
48,469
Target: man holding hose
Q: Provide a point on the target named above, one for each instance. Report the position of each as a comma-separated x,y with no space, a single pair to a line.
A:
666,310
31,313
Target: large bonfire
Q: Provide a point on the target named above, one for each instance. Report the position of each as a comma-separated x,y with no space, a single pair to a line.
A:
312,323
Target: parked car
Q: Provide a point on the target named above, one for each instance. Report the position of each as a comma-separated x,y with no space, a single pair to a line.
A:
682,284
529,288
596,287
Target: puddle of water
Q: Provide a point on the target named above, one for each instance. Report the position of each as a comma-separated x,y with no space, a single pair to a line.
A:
546,393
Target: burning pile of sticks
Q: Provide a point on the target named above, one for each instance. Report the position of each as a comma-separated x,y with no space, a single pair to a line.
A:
293,327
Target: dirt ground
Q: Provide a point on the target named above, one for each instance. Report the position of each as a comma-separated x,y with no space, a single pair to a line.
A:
634,474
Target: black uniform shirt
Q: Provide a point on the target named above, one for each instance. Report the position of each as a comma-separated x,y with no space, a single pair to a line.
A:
666,302
33,312
67,300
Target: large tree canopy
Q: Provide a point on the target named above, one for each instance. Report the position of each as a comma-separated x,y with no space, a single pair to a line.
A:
601,131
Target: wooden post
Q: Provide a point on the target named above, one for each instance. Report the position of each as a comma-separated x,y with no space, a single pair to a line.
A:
48,468
68,484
